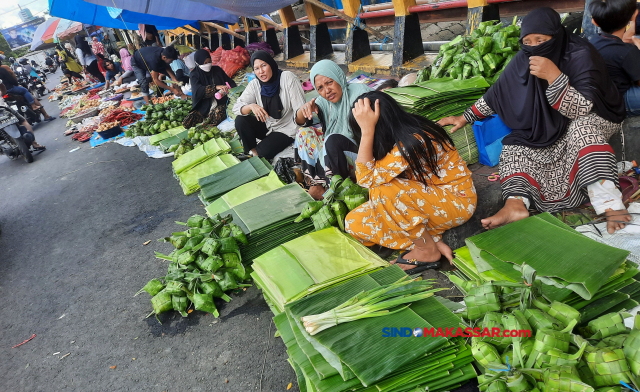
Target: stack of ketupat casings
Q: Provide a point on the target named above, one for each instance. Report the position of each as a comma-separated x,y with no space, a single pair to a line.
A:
268,219
244,193
355,357
189,178
439,98
201,153
216,185
591,277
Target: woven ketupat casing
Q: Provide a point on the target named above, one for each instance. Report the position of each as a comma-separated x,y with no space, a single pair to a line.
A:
564,379
482,299
608,366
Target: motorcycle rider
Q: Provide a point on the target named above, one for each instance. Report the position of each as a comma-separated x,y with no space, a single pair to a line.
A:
11,84
22,121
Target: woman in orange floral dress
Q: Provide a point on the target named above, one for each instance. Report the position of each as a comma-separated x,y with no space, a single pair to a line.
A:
417,192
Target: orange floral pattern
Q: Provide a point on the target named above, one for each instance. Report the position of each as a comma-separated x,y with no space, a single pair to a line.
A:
400,208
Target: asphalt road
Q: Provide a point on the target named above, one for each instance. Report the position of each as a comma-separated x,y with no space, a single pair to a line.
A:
72,257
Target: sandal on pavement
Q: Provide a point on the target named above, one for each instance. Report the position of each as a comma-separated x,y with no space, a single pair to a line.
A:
51,118
41,148
419,265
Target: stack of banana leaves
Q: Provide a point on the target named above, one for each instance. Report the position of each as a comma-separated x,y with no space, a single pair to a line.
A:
216,185
205,264
199,154
311,263
570,292
352,355
244,193
189,178
268,219
442,97
342,196
465,142
156,139
486,52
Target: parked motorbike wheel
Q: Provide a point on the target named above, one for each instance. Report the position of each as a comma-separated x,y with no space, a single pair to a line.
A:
24,150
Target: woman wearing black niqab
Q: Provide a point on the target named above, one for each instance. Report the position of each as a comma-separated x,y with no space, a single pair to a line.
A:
207,79
558,99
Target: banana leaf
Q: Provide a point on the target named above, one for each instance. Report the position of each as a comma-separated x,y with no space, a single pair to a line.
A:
201,153
173,140
465,142
541,245
189,178
156,139
220,183
311,263
244,193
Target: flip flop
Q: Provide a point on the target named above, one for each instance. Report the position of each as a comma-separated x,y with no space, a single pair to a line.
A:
419,265
51,118
41,148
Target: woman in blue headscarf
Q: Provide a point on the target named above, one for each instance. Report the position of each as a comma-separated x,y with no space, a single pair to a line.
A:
339,148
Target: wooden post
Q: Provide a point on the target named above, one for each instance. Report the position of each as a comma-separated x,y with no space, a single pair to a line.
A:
292,41
407,37
238,39
357,38
269,36
250,36
320,46
480,11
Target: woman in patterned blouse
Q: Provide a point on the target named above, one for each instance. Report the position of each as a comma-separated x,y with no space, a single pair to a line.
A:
558,99
419,187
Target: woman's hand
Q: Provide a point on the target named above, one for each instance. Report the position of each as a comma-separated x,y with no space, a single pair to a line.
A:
366,117
457,122
259,112
223,89
308,109
544,68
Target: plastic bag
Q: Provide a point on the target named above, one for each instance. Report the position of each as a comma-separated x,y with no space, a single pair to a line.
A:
284,170
234,60
217,55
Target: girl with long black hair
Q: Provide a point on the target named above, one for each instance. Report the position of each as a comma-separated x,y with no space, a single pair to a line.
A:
419,187
87,59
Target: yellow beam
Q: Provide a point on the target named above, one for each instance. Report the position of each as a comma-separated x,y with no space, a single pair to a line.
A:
351,7
477,3
401,7
245,22
313,12
286,16
223,29
265,21
344,17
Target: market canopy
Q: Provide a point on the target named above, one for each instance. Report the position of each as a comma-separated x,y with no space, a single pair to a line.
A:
172,8
80,11
246,8
69,30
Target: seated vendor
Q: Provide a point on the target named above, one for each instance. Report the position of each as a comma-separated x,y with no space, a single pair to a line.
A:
207,80
419,187
72,77
115,72
335,151
272,98
156,61
623,59
562,106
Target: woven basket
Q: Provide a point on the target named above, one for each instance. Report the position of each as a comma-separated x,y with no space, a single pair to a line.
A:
78,119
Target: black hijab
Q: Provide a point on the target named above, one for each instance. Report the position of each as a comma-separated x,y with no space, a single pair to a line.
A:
270,90
200,79
520,98
83,45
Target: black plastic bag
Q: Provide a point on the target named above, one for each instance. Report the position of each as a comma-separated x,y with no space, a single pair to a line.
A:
284,170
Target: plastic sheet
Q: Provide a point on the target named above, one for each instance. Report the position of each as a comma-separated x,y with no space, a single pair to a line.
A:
284,169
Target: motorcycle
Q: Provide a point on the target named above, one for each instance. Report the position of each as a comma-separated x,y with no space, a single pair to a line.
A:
52,68
19,104
36,86
15,141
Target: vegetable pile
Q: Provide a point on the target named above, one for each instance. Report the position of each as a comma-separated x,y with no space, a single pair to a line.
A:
196,136
122,117
205,263
486,52
342,196
107,125
574,309
158,118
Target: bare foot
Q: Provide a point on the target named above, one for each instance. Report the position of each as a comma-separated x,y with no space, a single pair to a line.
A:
616,219
316,192
425,251
513,210
445,250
